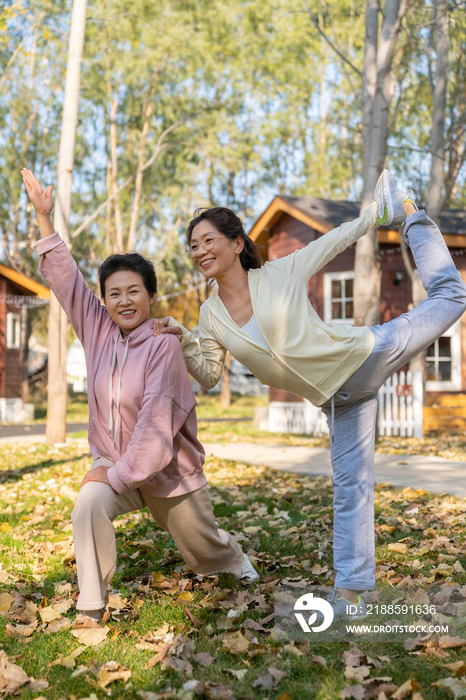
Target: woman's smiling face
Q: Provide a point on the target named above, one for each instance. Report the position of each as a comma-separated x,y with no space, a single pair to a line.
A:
127,300
221,253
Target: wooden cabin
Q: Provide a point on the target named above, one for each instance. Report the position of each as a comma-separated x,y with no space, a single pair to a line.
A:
290,223
16,293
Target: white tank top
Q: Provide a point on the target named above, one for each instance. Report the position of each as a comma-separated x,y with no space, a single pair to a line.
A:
252,330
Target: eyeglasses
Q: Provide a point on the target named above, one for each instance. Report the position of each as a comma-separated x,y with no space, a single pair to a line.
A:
207,242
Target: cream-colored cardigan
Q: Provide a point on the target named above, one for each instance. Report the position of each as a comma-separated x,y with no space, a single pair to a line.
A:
307,356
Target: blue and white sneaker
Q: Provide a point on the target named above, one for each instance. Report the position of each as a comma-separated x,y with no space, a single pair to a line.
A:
390,200
342,607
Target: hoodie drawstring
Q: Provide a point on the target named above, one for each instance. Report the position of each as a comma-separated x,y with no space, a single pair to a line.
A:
343,395
110,390
110,387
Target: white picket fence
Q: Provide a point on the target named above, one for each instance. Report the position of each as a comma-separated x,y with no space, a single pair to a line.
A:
293,417
15,411
399,413
400,405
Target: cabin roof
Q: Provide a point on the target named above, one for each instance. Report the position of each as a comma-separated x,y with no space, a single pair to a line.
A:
24,284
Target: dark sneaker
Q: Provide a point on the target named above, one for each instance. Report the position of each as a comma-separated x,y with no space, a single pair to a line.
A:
390,199
343,608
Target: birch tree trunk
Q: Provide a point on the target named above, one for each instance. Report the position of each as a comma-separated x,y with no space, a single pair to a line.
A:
437,169
377,95
57,384
138,184
225,391
25,336
366,263
114,172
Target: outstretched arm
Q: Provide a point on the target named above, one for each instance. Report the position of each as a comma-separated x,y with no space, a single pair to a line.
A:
305,262
59,269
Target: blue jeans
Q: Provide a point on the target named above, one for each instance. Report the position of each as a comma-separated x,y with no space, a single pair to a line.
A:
355,403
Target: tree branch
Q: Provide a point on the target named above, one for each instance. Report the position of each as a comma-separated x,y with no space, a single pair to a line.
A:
329,42
18,48
447,11
159,147
394,30
429,60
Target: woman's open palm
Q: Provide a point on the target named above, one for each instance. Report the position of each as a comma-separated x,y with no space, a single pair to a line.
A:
40,200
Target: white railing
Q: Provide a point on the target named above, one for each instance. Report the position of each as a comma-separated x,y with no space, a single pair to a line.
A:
399,411
15,411
296,417
400,405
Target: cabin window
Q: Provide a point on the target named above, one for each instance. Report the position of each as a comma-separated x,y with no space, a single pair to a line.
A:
443,361
338,297
13,331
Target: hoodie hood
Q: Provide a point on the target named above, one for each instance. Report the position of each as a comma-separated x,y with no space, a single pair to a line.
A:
137,336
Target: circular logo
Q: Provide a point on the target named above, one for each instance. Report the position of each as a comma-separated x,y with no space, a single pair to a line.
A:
307,604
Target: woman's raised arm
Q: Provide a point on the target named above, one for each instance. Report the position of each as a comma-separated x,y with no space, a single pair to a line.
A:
59,269
41,201
305,262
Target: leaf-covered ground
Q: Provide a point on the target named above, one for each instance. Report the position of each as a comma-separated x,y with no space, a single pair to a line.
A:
172,634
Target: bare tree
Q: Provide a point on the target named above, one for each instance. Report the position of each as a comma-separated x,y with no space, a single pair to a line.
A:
225,391
376,96
25,336
377,93
159,147
57,382
435,197
146,113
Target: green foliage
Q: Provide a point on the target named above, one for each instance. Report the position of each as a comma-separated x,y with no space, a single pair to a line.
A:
263,104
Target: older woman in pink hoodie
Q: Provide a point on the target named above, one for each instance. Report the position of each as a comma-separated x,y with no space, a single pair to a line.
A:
142,419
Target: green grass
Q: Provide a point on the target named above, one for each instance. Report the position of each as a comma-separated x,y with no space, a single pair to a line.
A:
38,485
447,446
208,407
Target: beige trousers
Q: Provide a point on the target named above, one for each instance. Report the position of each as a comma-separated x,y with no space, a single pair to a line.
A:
189,519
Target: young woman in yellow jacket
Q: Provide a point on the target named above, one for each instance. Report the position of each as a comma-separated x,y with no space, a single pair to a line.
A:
262,315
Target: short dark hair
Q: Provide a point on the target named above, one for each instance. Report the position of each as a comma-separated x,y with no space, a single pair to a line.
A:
229,225
128,261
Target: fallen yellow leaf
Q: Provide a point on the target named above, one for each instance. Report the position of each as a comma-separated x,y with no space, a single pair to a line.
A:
398,547
110,672
5,602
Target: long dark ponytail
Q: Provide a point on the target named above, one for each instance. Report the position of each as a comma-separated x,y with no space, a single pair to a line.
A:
230,226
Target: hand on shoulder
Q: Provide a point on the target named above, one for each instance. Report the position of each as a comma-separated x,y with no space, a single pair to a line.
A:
160,326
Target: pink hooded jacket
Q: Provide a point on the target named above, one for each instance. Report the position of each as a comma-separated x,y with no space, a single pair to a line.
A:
141,404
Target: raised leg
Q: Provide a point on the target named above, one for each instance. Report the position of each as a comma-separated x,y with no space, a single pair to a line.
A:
401,339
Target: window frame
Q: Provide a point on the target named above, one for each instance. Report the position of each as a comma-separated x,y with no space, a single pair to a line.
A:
11,317
330,277
455,383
